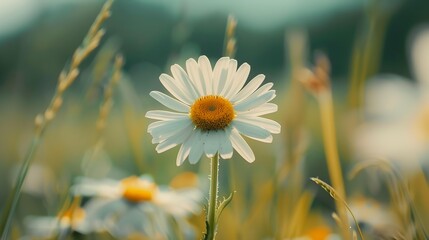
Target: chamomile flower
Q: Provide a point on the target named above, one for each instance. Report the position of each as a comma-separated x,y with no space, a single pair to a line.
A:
136,205
211,109
397,114
71,219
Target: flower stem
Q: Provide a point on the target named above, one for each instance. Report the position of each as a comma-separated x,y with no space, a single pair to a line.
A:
211,217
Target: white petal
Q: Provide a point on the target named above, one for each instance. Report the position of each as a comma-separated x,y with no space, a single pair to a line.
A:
238,81
175,139
180,75
165,128
163,136
220,73
232,69
182,154
255,102
248,89
206,70
225,148
181,202
241,146
164,115
211,144
262,90
197,148
252,131
185,149
176,88
265,108
196,76
169,101
268,124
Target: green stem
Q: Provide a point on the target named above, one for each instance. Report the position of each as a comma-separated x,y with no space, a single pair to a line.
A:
211,217
12,202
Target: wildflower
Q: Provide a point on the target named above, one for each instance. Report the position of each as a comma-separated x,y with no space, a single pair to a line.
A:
397,114
136,205
376,219
71,219
211,108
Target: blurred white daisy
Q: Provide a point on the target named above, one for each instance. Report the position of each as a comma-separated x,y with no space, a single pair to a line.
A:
68,220
377,220
136,205
397,114
211,108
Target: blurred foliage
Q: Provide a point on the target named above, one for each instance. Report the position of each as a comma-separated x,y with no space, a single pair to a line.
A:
151,38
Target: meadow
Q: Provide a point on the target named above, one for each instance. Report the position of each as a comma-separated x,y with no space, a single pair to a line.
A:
188,120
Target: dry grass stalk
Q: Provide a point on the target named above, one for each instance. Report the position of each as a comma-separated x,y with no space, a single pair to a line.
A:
67,76
400,196
317,82
230,41
334,194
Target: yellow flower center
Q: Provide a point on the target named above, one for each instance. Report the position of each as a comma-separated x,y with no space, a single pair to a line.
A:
212,113
73,215
137,189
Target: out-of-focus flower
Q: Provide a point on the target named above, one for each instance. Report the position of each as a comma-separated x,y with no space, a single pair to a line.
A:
376,220
136,205
211,109
60,226
397,114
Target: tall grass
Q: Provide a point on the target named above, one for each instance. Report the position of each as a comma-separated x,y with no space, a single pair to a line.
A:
67,76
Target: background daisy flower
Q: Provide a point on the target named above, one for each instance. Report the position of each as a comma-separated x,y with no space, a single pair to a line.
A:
212,108
136,205
48,227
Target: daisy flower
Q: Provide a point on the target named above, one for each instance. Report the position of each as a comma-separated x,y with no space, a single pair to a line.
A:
211,109
71,219
397,114
136,205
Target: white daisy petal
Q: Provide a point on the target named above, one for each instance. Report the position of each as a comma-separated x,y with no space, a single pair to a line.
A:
248,89
241,146
252,131
265,88
169,101
182,154
211,145
164,115
238,81
161,128
171,134
196,76
185,149
197,148
225,148
206,70
180,74
265,108
232,69
176,88
255,102
175,139
220,73
268,124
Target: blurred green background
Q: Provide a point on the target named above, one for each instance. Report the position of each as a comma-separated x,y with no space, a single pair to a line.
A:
38,37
